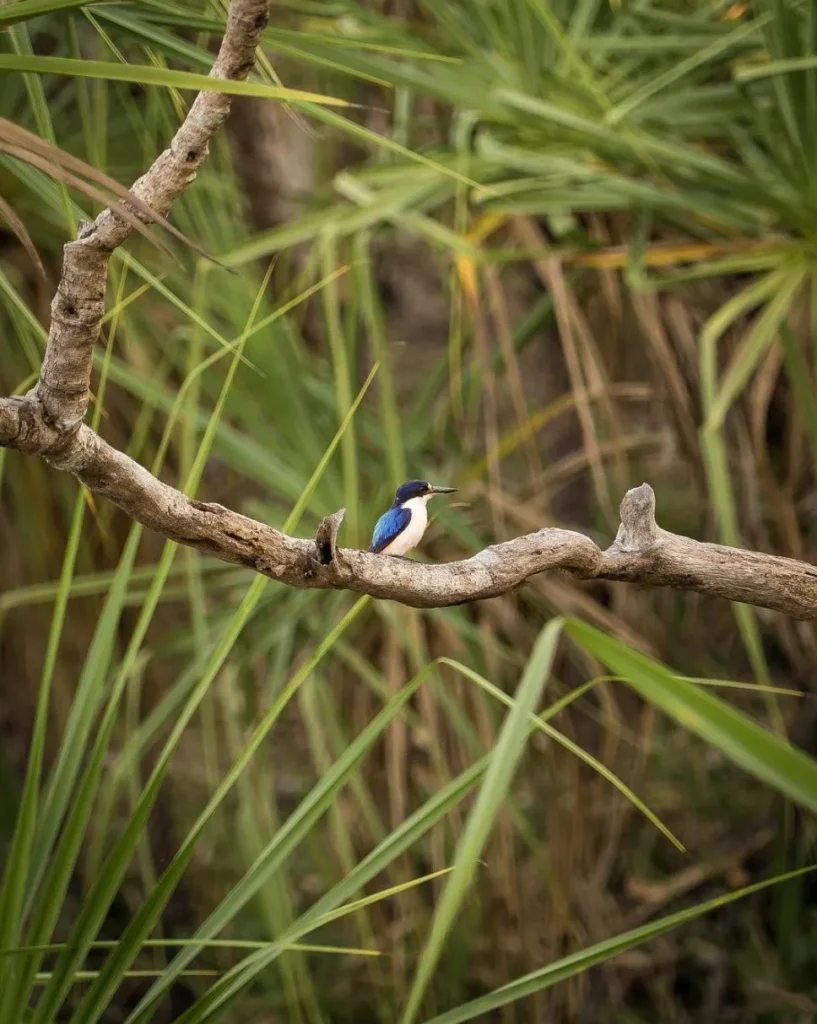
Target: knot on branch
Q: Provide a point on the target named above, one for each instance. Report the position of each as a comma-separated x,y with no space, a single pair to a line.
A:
25,426
638,530
85,229
326,537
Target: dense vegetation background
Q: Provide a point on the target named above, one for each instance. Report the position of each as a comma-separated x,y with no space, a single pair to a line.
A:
576,242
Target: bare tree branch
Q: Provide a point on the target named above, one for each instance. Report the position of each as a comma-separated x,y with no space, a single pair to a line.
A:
48,422
79,304
642,551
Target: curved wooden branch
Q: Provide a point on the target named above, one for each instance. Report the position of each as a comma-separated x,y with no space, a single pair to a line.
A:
48,422
641,553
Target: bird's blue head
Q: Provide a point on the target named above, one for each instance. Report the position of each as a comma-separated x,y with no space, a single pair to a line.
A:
419,489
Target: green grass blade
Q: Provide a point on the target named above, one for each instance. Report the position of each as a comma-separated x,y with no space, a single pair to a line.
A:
96,1000
330,905
342,371
55,947
210,1006
373,316
538,722
764,755
281,846
25,9
294,518
802,383
760,338
73,749
151,75
739,305
574,964
774,68
505,757
23,845
62,864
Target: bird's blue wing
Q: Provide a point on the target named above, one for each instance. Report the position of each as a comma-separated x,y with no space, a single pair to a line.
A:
389,526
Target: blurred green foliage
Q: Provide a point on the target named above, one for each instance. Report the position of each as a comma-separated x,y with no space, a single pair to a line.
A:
548,248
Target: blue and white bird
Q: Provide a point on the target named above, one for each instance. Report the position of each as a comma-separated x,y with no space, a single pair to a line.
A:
402,527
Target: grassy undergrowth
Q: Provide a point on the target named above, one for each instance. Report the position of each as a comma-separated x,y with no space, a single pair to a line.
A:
550,250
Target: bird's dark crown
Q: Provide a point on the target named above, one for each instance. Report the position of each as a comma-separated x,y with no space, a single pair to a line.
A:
411,489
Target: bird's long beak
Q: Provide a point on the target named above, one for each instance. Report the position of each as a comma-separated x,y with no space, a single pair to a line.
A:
440,490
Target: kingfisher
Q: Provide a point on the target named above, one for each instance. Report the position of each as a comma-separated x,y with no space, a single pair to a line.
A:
401,528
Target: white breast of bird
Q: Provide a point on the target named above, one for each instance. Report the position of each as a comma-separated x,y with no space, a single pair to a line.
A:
413,533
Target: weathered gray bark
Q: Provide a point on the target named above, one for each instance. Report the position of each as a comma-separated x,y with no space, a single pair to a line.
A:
49,422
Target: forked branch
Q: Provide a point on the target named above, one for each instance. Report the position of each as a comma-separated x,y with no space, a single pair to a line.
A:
49,422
